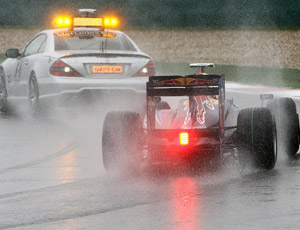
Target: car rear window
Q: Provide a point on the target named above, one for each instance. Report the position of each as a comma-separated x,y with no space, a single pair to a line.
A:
119,42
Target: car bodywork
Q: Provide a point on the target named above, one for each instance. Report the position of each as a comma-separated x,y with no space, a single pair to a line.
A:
202,126
201,114
59,68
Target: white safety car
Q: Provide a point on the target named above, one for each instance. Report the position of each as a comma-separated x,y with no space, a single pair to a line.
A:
80,55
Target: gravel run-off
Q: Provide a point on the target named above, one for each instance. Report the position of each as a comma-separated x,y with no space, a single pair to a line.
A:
271,48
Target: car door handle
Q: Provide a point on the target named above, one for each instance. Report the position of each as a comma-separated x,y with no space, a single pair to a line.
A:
26,63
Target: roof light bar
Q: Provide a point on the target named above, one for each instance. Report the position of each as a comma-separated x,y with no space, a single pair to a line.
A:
62,21
87,22
71,22
111,22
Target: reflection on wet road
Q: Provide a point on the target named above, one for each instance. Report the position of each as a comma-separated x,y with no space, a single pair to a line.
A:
186,204
51,177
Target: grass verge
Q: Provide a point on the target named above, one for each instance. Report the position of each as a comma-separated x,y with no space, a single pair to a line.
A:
243,74
2,57
279,77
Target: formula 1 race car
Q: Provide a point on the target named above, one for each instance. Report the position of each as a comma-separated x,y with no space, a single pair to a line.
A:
201,126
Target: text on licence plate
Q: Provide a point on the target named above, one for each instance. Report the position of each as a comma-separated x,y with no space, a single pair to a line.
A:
107,69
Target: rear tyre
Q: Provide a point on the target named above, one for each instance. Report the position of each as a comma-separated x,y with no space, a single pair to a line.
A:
33,96
257,138
121,142
3,93
287,121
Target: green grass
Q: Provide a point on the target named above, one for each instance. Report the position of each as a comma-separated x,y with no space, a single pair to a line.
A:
2,57
281,77
249,75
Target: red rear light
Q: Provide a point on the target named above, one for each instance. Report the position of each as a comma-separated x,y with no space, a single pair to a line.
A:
59,68
184,138
147,70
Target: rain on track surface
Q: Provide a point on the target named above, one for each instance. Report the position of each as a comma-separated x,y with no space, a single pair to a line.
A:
51,177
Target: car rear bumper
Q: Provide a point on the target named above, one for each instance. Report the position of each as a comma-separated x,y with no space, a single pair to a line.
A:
65,92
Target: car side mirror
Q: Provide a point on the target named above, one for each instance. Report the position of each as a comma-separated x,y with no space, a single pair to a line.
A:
12,53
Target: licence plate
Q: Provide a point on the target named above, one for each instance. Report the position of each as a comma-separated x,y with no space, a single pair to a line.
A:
107,69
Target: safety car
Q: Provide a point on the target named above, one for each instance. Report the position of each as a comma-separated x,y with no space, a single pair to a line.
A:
201,126
76,56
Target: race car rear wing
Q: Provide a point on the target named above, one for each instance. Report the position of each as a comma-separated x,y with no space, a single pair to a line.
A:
190,85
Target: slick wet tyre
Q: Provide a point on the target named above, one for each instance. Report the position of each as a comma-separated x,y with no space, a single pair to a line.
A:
121,144
287,121
257,138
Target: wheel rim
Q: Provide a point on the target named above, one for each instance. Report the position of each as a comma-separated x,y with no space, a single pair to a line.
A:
33,96
275,145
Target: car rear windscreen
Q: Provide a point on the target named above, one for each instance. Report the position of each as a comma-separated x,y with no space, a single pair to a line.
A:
119,42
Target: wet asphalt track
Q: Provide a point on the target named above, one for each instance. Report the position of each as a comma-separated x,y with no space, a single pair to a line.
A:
52,177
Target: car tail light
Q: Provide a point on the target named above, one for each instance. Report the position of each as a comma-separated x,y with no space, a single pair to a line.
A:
147,70
59,68
184,138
